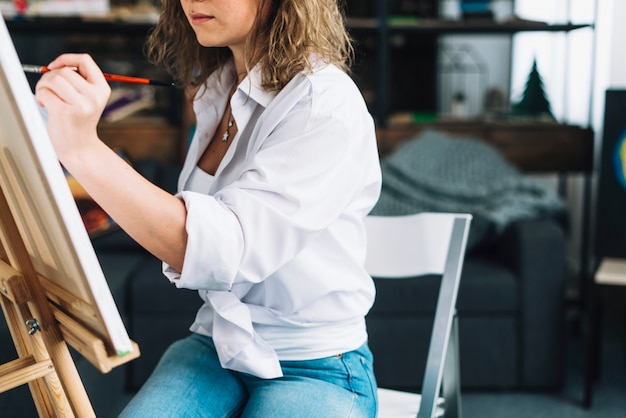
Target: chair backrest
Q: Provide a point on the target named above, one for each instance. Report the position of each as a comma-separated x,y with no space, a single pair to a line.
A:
417,245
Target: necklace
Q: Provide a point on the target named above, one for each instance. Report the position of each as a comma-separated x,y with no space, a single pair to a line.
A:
230,124
231,120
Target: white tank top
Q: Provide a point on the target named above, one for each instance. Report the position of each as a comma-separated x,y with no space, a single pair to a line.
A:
199,181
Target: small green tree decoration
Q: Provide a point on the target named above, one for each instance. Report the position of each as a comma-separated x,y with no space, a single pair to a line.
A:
534,101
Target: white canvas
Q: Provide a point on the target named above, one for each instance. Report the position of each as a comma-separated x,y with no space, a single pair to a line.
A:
44,209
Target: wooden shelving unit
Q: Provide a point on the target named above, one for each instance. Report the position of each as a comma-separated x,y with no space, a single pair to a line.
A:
77,25
532,146
442,26
384,26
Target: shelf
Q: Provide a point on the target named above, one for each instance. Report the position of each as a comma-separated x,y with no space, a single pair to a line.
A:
140,25
421,35
67,25
142,138
438,26
531,146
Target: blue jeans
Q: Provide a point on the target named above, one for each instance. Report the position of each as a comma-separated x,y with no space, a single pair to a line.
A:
190,382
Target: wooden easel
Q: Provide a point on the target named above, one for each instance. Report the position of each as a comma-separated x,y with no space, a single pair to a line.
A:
52,289
40,329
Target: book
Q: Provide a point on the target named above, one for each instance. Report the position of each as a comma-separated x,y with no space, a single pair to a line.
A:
125,102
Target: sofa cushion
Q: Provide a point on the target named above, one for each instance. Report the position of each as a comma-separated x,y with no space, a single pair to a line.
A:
152,293
489,351
160,314
487,345
119,269
485,286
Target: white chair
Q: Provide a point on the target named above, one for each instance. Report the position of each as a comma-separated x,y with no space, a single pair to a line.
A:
412,246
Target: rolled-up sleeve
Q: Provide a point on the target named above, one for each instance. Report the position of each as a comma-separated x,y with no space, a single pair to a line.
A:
214,248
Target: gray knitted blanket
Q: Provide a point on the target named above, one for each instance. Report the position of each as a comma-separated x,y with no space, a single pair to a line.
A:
437,173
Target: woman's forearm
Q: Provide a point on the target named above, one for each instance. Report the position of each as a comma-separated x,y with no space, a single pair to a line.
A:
150,215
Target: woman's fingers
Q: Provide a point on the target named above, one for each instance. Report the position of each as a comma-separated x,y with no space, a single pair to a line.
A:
75,80
74,93
58,84
81,63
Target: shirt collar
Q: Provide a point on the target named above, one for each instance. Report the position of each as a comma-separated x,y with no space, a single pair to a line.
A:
252,87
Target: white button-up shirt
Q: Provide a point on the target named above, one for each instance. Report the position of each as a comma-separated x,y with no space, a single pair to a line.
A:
276,242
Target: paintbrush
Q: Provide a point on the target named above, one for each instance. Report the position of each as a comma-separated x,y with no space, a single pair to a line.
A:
40,69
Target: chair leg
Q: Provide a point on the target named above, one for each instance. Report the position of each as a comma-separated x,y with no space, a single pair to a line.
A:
451,382
592,344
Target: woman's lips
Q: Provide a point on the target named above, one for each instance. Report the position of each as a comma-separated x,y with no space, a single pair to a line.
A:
198,19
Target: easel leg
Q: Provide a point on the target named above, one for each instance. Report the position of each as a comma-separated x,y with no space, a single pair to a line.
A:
22,346
41,352
50,392
61,394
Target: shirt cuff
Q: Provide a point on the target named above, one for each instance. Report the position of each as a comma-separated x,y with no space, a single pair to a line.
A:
214,248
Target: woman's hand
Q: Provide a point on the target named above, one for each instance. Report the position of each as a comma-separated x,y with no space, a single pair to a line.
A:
74,93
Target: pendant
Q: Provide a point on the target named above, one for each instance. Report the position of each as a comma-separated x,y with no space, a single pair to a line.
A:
227,131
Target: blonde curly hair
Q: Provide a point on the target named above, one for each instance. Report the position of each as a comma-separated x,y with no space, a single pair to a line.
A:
283,44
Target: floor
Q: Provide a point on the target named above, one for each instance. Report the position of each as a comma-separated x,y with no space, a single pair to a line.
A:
609,391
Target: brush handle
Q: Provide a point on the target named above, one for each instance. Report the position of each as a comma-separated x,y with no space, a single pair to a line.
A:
40,69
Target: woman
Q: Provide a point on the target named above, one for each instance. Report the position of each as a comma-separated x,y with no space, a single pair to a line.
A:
267,225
